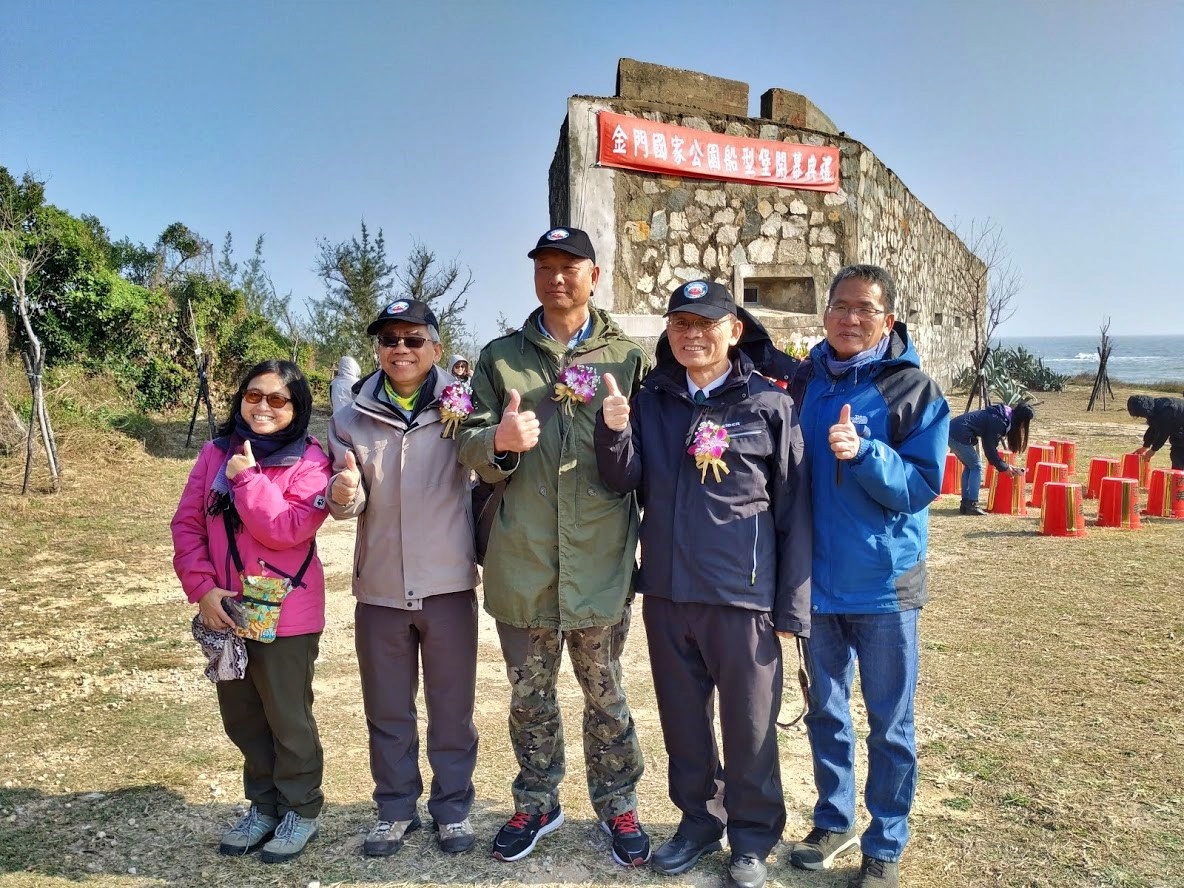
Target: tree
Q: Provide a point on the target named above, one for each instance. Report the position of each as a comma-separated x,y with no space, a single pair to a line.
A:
441,287
359,281
22,256
180,250
986,284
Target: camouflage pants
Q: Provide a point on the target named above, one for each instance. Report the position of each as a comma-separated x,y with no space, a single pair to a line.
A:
612,755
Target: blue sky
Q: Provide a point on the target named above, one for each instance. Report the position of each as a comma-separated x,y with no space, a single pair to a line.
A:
436,121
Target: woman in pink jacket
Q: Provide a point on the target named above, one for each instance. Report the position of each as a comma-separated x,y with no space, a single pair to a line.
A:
252,506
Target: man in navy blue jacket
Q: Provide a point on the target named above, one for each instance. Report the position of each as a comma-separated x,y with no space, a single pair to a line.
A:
725,569
876,429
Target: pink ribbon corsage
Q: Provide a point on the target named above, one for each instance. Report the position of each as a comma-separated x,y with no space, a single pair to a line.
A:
577,385
707,447
456,402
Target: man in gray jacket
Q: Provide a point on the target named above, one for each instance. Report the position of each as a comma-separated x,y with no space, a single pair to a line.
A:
414,579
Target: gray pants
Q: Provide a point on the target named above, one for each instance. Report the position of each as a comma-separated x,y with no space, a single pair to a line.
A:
696,650
267,714
612,755
390,643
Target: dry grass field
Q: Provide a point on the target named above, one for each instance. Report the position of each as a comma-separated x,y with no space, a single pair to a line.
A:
1050,712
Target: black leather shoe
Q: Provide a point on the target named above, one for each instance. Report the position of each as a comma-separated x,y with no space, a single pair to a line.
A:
971,508
746,871
679,854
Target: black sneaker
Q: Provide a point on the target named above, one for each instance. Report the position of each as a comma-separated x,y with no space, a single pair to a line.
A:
631,846
746,871
875,873
818,850
522,832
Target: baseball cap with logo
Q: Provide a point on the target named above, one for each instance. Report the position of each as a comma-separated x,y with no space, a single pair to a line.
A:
704,298
409,311
569,240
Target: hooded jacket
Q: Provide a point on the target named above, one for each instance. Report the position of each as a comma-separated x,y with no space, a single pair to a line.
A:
281,503
562,546
415,522
743,541
1165,418
989,425
871,518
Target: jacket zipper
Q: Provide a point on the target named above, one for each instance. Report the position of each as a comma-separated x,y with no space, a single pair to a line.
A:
755,538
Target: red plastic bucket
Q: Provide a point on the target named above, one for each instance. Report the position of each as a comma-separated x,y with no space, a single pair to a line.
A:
951,479
1065,452
1099,467
1118,504
1046,472
1134,466
1062,514
1007,495
1037,453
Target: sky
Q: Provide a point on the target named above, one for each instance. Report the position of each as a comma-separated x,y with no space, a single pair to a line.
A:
436,121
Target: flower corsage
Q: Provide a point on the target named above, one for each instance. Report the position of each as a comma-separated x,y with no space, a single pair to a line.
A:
456,402
707,447
577,385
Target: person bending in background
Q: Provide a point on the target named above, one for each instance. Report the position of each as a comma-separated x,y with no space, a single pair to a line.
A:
988,426
1165,423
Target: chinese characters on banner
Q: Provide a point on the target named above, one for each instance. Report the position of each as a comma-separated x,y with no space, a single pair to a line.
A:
636,144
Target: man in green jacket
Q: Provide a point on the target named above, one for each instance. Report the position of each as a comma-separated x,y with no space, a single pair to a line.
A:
560,559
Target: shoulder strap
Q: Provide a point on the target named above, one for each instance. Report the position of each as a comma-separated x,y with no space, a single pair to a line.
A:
296,580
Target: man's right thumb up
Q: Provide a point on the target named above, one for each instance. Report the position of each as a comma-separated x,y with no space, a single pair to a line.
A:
515,402
351,464
611,385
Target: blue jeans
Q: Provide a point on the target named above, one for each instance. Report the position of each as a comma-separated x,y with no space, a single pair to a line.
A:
972,473
887,650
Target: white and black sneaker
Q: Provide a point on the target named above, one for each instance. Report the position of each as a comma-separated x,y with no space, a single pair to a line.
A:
522,832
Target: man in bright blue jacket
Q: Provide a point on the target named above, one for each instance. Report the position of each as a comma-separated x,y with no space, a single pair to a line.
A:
876,428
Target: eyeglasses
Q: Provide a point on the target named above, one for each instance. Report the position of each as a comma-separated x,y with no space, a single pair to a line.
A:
274,399
684,325
862,312
412,342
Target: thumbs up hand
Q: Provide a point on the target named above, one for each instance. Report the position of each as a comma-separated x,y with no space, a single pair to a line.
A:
518,431
240,461
844,439
615,406
345,485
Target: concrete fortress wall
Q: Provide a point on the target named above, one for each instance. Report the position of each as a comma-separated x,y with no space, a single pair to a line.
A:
654,232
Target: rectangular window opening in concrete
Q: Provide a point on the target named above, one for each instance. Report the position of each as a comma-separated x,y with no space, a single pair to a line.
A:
937,319
788,294
752,296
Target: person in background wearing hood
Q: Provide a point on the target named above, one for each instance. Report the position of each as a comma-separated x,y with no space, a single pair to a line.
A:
712,627
562,548
414,579
460,368
253,504
876,429
1165,423
989,426
344,378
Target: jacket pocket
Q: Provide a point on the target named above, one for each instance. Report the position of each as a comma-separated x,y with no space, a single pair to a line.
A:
360,545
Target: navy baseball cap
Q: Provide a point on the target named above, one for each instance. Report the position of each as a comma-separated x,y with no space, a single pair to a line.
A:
569,240
409,311
704,298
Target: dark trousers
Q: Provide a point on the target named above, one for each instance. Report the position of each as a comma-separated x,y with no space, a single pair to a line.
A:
695,650
267,714
390,643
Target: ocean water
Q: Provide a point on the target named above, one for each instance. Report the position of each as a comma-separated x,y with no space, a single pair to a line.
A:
1133,359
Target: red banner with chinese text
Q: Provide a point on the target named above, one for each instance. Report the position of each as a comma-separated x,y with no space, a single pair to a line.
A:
635,144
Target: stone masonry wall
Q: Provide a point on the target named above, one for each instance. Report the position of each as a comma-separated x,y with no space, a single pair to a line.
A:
653,233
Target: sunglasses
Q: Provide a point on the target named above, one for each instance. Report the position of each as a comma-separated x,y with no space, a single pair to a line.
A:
410,341
274,400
